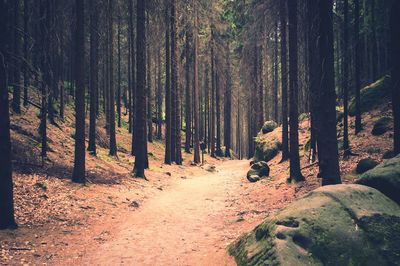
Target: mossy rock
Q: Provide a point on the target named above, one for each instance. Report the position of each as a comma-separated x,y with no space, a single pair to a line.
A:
365,165
333,225
268,127
258,169
372,96
388,155
383,125
266,151
385,178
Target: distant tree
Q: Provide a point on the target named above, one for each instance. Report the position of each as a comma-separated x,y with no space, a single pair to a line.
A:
326,136
78,175
16,102
395,61
140,127
295,172
94,51
228,105
188,102
6,184
111,104
196,89
284,80
168,102
357,65
345,78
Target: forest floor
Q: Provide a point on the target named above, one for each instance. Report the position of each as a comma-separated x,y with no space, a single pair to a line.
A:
184,215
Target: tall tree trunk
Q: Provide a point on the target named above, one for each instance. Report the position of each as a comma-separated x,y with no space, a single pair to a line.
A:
45,76
159,96
228,103
149,91
26,51
196,88
168,102
218,150
358,126
7,220
94,69
119,71
395,65
188,104
111,104
326,135
212,111
16,102
284,80
275,95
175,96
345,81
295,173
78,175
140,127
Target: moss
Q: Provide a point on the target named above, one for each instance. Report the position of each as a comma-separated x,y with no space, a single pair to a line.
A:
372,96
266,151
385,178
333,225
268,127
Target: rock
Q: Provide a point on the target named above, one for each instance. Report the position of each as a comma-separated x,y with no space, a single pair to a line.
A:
382,126
253,178
258,171
365,164
372,96
268,127
333,225
388,155
266,151
385,178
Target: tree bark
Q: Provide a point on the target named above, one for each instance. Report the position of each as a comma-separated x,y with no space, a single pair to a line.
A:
78,175
140,128
326,135
7,220
284,80
295,172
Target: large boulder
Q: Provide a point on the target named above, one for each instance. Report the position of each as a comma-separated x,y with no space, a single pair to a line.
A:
372,96
266,151
365,165
258,171
383,125
385,178
268,127
333,225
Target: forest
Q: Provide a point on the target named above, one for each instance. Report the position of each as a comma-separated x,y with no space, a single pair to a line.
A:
200,132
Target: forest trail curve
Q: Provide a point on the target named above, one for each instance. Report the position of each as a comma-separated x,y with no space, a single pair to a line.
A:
185,225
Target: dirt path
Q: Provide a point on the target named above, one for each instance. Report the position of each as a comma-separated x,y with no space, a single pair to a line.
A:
187,224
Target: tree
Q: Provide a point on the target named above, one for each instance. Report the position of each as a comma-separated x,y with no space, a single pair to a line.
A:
357,66
345,81
16,102
168,122
326,134
196,88
188,104
94,51
111,104
78,175
140,112
295,172
284,77
6,184
395,65
227,105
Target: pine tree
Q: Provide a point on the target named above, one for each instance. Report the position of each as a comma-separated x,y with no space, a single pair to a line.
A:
78,175
295,173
